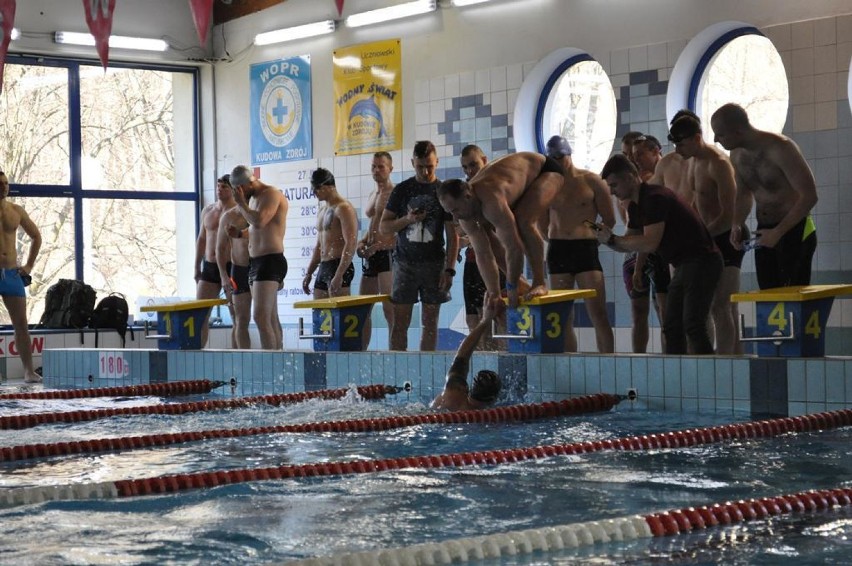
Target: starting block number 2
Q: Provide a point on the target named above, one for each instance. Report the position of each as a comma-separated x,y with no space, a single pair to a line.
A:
778,319
350,324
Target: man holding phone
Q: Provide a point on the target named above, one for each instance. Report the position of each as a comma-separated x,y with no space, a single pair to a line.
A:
423,269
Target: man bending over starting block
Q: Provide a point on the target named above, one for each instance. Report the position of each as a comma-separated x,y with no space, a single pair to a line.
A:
501,210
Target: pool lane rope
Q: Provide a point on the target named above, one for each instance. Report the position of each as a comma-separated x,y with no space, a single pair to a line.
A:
575,535
172,388
575,406
199,480
30,420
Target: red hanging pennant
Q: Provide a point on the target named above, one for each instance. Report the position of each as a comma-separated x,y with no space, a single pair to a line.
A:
7,22
339,7
201,12
99,19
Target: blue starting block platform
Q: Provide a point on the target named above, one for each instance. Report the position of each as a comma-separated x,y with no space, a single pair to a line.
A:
179,324
791,321
538,326
338,322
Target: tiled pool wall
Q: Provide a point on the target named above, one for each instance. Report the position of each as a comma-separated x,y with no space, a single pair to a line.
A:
750,385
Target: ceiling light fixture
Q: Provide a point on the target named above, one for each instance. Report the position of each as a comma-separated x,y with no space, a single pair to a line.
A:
16,33
115,41
390,13
460,3
295,32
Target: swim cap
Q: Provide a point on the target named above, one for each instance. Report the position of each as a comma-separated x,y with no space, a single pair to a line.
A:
322,177
486,386
558,147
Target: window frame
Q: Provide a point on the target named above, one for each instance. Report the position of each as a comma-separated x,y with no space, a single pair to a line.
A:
74,190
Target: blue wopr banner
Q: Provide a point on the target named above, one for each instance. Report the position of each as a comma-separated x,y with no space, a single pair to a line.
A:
280,106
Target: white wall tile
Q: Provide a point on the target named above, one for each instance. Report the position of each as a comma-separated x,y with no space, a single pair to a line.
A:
802,63
825,31
421,90
638,59
619,62
483,81
452,86
467,84
499,78
780,36
803,34
514,76
825,59
825,87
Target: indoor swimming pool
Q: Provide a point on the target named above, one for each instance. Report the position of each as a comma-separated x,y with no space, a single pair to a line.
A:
299,518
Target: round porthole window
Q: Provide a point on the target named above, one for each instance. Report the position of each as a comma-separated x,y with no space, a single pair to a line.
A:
568,93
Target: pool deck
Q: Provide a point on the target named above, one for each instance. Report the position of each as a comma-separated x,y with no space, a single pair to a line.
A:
742,384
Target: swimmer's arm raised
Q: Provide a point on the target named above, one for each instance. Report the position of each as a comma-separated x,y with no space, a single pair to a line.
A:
267,207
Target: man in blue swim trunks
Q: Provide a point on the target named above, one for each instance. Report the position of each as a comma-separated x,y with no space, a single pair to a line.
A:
265,209
772,173
12,217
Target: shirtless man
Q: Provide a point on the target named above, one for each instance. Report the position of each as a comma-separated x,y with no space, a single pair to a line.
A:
641,271
14,278
472,161
208,284
456,395
337,234
375,248
711,176
671,171
264,207
511,194
232,249
771,172
572,254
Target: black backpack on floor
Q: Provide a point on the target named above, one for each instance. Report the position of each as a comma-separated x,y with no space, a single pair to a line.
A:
68,304
111,312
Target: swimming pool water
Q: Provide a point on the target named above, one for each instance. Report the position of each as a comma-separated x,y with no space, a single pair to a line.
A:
268,521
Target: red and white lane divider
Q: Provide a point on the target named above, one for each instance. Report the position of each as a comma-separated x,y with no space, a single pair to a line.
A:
575,535
576,406
172,388
183,482
31,420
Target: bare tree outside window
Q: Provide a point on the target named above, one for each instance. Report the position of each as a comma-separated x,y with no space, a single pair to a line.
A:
749,71
581,108
129,142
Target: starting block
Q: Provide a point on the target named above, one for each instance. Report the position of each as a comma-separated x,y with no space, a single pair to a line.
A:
538,326
338,322
791,321
179,324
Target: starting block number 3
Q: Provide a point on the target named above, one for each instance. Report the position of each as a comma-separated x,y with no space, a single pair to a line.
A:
778,318
350,324
525,323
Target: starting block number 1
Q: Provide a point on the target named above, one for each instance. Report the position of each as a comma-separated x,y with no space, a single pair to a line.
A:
778,319
112,365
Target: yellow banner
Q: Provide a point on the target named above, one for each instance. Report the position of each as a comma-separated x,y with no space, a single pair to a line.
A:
367,99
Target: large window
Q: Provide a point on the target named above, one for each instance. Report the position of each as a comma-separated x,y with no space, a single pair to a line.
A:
105,164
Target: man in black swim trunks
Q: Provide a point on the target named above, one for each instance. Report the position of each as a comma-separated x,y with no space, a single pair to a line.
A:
265,209
773,174
337,233
232,249
456,395
208,284
500,210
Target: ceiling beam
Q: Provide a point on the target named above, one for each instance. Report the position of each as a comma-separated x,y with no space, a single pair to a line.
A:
225,11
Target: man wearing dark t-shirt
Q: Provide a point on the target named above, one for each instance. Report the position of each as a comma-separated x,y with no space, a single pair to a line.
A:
662,222
423,269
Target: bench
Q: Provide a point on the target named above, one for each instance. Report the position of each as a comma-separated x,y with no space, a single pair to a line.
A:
338,322
538,326
791,321
179,324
